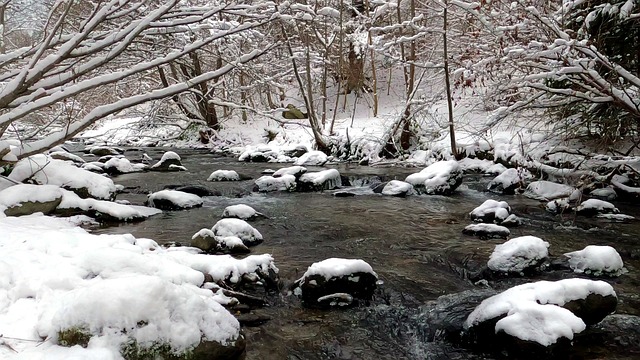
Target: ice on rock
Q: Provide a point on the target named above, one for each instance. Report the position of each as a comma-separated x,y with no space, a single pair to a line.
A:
596,260
239,228
224,175
518,254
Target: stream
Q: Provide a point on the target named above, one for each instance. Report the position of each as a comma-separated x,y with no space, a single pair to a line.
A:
415,245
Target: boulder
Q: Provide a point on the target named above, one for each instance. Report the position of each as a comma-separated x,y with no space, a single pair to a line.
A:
269,183
26,199
319,181
206,241
394,188
596,261
312,158
491,211
336,282
240,211
296,171
194,189
547,190
440,178
594,207
64,155
509,181
117,166
173,200
519,255
224,175
238,228
487,231
103,151
296,152
538,319
170,161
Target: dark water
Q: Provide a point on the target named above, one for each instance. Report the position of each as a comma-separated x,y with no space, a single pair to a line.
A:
414,244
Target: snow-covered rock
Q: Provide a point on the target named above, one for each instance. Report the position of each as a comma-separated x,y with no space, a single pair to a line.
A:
312,158
261,153
116,166
26,199
103,150
440,178
394,188
616,217
170,161
224,175
543,313
194,189
173,200
45,170
325,282
491,211
559,206
113,290
519,255
604,194
596,260
93,166
240,211
65,155
486,231
296,171
206,241
108,211
238,228
593,207
319,181
269,183
469,165
547,190
509,181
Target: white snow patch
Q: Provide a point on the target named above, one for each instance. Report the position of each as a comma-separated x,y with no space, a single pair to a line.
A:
518,254
436,176
336,267
596,260
397,187
224,175
547,190
179,198
238,228
269,183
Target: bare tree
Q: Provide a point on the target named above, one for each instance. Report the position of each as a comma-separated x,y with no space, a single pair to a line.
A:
88,47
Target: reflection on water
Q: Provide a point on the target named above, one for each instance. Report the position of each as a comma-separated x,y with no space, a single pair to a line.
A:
414,244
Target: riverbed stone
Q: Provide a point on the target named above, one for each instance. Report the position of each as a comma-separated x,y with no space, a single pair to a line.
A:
319,181
206,241
194,189
439,178
487,231
27,199
170,161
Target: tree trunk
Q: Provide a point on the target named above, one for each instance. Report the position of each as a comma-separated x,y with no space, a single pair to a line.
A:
447,81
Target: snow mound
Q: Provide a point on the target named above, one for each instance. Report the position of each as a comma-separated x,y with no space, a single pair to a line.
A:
508,181
240,211
122,166
15,195
311,158
291,170
547,190
481,166
440,178
105,209
321,180
518,254
224,175
533,311
336,267
45,170
595,206
65,155
269,183
173,199
491,211
485,231
596,260
239,228
147,309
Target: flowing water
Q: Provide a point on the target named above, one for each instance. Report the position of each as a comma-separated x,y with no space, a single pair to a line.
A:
414,244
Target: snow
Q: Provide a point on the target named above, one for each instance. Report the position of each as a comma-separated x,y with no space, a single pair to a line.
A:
488,229
123,165
119,211
179,198
269,183
240,211
291,170
169,155
45,170
481,166
64,155
16,194
530,309
604,193
509,178
336,267
331,177
224,175
500,209
397,187
597,206
238,228
310,158
57,276
436,176
547,190
518,254
596,260
228,241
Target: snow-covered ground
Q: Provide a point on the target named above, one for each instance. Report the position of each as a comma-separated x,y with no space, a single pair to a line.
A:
116,288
